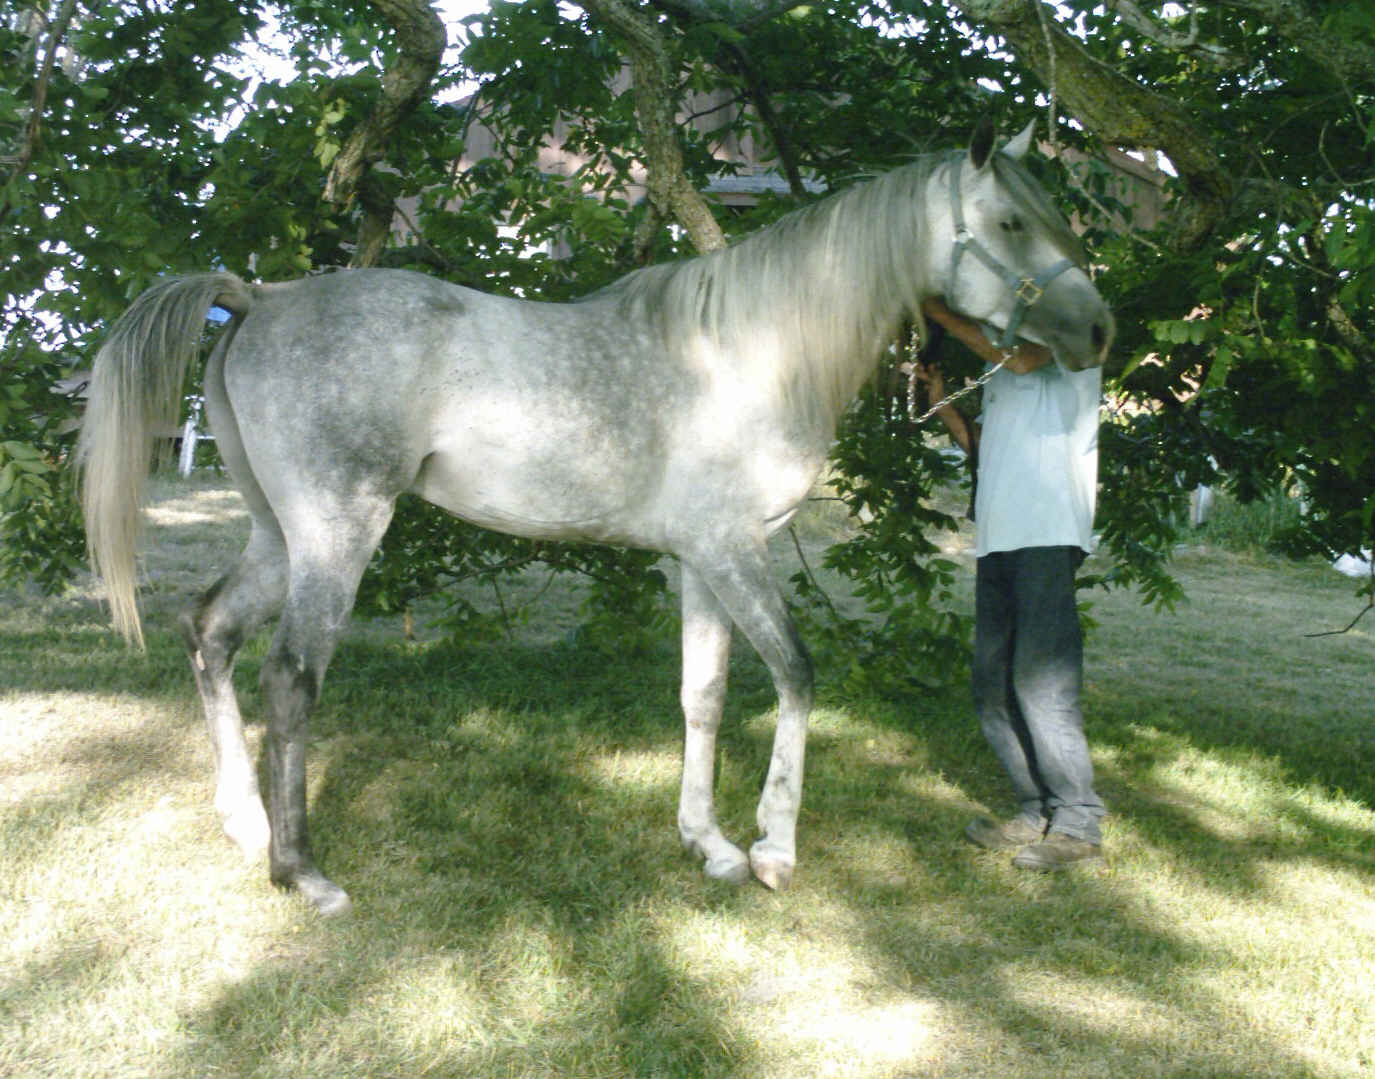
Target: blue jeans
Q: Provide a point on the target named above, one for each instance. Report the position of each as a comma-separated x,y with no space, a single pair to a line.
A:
1027,676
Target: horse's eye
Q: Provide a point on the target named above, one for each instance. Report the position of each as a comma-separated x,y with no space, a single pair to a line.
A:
1013,225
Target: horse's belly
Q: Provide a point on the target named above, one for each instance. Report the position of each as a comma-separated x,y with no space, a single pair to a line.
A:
542,491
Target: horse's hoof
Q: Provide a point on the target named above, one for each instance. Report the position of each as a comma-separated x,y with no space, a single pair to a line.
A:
732,870
328,899
722,859
772,870
334,905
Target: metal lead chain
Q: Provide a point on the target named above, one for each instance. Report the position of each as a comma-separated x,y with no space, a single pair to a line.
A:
910,370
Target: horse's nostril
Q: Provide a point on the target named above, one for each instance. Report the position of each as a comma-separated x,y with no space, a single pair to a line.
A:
1100,336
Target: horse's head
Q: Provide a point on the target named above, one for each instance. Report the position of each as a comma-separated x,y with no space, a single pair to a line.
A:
1013,262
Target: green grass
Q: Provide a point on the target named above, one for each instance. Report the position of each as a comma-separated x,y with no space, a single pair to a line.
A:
503,816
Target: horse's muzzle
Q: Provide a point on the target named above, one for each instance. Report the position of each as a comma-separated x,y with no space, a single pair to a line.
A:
1088,345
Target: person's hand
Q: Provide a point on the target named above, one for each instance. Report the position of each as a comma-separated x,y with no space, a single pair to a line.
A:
930,376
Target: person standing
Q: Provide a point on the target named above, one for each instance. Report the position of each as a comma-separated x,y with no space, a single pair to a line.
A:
1036,449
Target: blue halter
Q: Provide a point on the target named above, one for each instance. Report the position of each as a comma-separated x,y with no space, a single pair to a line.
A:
1026,290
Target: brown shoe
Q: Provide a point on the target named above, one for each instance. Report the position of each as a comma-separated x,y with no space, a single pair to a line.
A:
993,835
1057,852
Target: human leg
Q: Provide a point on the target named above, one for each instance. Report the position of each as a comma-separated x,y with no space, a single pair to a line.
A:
995,703
1047,678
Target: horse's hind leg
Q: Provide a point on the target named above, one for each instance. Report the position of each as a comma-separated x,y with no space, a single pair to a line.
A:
214,630
328,555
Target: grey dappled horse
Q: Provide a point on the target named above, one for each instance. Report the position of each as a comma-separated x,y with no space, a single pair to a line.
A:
687,408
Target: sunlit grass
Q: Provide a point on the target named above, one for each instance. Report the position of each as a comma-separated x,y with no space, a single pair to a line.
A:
503,815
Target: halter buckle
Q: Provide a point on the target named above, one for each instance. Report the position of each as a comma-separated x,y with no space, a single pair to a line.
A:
1029,292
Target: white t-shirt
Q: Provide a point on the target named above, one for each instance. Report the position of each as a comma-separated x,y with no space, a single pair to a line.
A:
1038,460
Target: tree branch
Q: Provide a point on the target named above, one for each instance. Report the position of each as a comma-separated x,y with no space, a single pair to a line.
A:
758,94
1117,109
421,40
33,129
1188,43
735,59
1350,59
743,15
671,194
1370,604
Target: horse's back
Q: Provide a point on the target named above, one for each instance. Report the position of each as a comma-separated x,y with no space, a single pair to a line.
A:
535,418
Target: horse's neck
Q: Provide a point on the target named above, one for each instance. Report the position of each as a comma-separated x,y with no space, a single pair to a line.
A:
854,274
797,316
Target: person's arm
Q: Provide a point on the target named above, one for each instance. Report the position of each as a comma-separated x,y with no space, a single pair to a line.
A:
965,434
1024,357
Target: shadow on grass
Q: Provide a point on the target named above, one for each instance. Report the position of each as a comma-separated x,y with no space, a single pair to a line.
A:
457,805
491,860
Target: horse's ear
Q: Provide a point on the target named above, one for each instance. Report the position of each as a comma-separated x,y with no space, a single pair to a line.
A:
1018,146
981,143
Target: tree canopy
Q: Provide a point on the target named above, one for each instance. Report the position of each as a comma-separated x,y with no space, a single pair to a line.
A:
134,143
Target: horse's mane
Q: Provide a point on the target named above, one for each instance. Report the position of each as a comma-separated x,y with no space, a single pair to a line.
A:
804,307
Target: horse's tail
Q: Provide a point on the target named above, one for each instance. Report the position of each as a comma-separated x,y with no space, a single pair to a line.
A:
136,388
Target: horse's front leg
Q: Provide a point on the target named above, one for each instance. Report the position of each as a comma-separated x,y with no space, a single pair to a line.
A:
706,656
742,584
774,855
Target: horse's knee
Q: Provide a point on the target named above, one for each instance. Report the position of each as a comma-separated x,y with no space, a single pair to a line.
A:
790,663
795,680
800,673
703,699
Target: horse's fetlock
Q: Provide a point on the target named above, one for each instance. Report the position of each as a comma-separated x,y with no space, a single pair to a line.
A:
283,870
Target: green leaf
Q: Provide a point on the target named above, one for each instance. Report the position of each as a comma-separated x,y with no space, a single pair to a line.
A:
326,150
1223,357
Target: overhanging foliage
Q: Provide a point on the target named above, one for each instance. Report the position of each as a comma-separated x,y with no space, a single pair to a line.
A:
131,146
